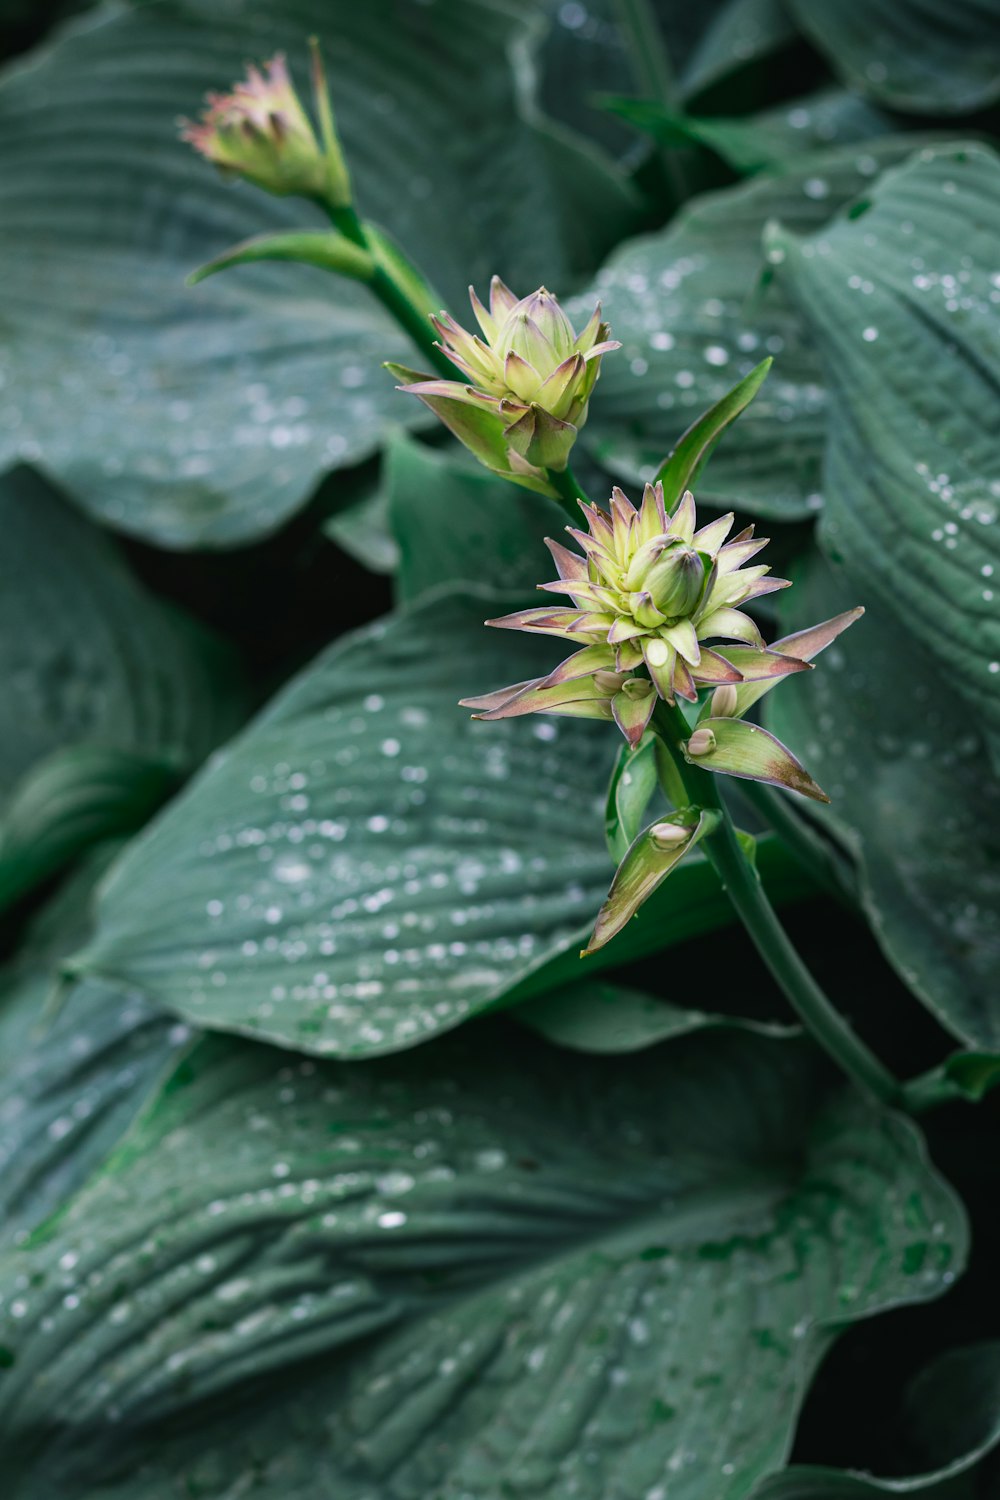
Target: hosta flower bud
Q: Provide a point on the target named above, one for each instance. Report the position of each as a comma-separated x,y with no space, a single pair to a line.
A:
674,582
529,378
669,835
725,701
262,132
702,742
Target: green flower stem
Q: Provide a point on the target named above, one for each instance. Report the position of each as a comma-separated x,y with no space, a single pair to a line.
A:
745,891
569,492
393,291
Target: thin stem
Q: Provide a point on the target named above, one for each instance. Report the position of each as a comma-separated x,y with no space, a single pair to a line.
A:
654,75
570,492
392,292
745,891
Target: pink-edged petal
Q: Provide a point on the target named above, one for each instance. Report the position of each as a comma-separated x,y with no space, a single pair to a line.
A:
628,656
754,664
682,522
740,551
521,378
711,537
730,625
632,708
569,565
714,668
589,593
589,335
684,639
601,528
752,754
652,515
544,621
624,629
607,347
684,683
660,661
541,438
556,393
802,646
562,697
502,300
499,696
485,319
768,585
647,863
599,658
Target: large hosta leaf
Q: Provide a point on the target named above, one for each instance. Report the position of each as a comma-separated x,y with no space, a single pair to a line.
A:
689,309
108,694
908,54
205,416
73,1074
913,795
904,301
598,1280
366,865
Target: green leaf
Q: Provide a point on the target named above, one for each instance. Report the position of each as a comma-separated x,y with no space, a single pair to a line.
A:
688,306
913,796
367,865
772,139
325,249
908,55
741,33
912,461
72,1077
609,1018
454,523
205,417
680,470
951,1418
109,695
501,1248
71,800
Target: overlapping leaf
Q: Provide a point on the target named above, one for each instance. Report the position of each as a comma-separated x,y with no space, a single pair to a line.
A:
913,794
108,694
601,1280
366,865
73,1074
693,318
904,301
909,55
204,417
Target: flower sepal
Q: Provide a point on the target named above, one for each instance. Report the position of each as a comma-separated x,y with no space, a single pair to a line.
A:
735,748
650,858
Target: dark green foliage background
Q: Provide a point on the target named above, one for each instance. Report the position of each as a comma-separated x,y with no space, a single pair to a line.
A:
328,1170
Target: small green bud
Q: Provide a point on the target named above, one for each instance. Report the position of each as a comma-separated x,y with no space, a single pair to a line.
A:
725,702
669,835
675,582
702,742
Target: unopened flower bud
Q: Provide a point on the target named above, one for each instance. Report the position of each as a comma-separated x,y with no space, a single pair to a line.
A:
637,688
675,582
262,132
702,742
669,835
725,701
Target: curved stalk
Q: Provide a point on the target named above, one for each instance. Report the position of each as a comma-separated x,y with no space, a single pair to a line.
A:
569,492
746,893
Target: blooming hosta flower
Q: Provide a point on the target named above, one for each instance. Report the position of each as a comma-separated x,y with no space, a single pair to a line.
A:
527,382
261,131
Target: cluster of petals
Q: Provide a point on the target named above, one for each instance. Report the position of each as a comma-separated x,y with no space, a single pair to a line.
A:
648,591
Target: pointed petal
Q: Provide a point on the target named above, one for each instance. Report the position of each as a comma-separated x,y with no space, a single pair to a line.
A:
556,393
498,697
633,708
569,564
682,521
607,347
714,668
588,336
751,753
711,537
628,656
540,697
485,319
731,625
502,300
542,439
652,517
624,629
521,378
684,638
684,684
462,411
737,552
660,661
802,646
756,665
543,620
648,862
600,658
